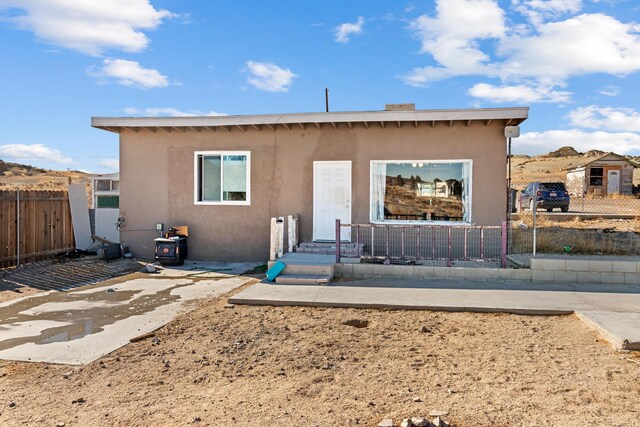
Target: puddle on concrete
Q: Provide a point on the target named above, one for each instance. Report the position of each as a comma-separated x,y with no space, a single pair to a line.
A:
58,317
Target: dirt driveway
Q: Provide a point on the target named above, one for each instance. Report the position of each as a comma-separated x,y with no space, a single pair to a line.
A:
249,365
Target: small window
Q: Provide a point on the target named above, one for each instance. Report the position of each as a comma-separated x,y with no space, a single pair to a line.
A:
107,201
222,178
103,185
595,177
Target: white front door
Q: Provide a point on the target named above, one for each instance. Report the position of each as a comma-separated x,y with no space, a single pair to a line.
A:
331,199
613,182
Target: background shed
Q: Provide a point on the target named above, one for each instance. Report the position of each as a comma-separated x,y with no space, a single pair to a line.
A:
605,175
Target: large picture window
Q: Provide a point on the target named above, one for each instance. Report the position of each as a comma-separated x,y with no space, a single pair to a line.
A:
421,190
222,177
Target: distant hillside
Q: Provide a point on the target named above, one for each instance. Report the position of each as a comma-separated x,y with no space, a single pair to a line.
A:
552,166
563,152
26,177
7,168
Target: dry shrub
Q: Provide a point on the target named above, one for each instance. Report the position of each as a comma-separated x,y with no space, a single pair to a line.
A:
581,236
575,241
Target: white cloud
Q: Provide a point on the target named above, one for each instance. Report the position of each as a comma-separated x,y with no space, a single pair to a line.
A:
452,39
270,77
544,142
344,31
518,93
610,90
88,26
113,164
130,73
585,44
22,153
169,111
471,37
613,119
538,10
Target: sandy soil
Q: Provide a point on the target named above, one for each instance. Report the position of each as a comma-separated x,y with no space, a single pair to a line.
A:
298,366
10,291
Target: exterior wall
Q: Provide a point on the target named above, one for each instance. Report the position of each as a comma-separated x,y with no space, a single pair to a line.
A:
576,181
157,176
626,186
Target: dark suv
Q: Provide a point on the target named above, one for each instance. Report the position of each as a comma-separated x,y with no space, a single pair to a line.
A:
549,195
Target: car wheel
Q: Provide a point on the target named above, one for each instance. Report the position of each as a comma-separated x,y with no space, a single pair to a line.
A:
549,209
565,209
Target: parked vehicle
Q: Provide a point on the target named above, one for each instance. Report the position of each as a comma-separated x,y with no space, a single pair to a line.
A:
549,195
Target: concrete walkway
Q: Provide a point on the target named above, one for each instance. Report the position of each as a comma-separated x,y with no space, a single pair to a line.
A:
613,310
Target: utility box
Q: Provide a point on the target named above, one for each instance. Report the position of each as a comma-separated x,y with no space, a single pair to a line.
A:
172,249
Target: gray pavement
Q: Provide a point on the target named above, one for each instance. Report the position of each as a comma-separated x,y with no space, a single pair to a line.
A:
611,308
82,325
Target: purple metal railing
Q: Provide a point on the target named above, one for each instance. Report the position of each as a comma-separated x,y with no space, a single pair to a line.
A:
446,243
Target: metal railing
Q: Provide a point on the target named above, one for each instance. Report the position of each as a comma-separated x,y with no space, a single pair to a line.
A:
392,243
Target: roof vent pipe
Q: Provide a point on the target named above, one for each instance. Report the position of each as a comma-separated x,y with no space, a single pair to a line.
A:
400,107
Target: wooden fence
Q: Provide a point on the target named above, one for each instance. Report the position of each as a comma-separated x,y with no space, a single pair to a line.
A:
34,225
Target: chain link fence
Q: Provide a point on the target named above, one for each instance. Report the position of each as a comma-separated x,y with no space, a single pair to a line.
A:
592,209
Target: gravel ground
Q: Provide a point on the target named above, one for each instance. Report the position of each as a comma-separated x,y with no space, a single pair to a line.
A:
277,366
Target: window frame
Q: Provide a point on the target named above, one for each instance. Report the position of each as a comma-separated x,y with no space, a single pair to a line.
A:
197,172
417,222
596,177
107,196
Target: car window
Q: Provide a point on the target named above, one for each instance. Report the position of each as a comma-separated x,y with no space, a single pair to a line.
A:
553,186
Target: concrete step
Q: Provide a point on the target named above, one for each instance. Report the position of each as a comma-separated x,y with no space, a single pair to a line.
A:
351,250
303,279
310,269
328,245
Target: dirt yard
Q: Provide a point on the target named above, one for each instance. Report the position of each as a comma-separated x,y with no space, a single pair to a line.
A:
242,366
9,291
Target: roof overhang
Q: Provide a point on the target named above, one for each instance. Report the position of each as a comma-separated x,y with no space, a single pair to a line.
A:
508,116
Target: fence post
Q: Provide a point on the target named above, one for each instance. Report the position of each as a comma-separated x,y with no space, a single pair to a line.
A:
292,224
276,244
466,230
387,234
338,241
280,235
449,247
18,227
503,245
535,212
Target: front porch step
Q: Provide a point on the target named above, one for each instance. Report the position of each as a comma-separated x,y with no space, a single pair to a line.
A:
307,265
303,279
350,250
307,269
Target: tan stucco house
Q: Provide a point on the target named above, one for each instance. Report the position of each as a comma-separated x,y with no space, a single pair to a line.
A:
227,176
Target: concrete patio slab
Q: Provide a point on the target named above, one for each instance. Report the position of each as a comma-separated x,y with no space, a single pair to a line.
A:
79,326
622,330
620,303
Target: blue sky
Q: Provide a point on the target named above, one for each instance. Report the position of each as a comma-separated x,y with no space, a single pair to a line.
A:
574,62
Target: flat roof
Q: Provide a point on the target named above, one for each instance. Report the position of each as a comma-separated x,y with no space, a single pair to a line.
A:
510,116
